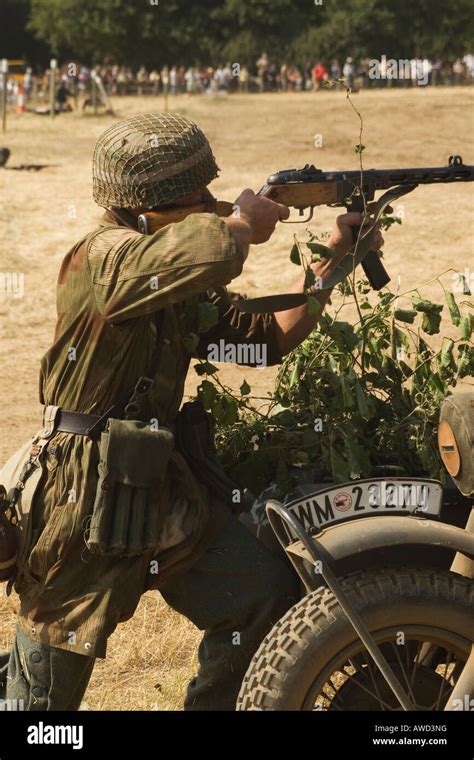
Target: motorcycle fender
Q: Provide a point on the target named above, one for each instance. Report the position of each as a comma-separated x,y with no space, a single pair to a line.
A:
390,539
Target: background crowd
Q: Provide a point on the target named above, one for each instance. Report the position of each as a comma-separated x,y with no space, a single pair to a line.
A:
75,79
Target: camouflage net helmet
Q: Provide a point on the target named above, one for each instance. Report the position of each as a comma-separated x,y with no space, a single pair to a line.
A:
150,160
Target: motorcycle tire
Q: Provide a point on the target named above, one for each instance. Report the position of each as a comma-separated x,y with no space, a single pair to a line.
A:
312,658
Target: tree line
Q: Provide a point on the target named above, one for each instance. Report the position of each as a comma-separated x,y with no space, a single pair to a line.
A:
199,32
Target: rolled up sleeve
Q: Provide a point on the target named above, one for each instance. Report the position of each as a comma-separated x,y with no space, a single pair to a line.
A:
134,274
250,338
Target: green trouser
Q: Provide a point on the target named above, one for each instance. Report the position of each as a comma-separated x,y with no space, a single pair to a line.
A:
235,592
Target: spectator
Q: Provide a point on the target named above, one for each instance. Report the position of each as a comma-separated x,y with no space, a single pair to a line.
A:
468,61
220,78
122,81
436,72
308,76
262,65
335,69
190,78
154,78
320,75
348,72
165,78
458,71
244,79
180,80
174,80
62,95
295,79
271,78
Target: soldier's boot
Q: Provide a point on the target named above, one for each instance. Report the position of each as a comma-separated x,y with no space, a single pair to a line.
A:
35,676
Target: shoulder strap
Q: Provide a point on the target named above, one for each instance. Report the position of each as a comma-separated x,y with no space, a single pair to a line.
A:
133,406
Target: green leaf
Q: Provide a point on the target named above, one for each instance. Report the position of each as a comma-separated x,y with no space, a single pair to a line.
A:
207,392
453,308
295,255
362,402
205,368
285,418
298,458
386,221
424,350
319,251
465,361
466,326
245,388
345,287
446,355
343,335
208,316
437,383
339,467
406,369
431,323
357,459
225,410
314,307
402,339
385,297
296,373
347,397
405,315
309,278
427,307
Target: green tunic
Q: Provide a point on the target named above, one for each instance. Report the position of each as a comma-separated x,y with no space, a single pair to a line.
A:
111,286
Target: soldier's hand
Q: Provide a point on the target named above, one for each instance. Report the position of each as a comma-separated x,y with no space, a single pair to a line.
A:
261,214
341,237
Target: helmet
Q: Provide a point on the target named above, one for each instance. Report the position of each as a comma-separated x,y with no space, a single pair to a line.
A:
150,160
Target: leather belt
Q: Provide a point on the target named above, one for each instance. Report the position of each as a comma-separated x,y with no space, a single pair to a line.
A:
75,422
90,425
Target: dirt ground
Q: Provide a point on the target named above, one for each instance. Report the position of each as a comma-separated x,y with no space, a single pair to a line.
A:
43,213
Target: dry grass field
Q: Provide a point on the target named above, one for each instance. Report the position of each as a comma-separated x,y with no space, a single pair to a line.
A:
43,213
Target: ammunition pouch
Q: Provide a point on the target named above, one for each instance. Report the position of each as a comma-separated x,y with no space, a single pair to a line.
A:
195,441
20,478
128,515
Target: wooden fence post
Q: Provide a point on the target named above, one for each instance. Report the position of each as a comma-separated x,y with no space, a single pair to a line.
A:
4,93
53,64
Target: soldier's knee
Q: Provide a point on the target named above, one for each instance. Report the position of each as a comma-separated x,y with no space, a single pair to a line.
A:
280,583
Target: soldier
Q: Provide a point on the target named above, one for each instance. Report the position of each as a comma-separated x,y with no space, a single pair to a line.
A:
127,304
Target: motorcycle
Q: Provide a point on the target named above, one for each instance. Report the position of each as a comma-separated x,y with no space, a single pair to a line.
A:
386,618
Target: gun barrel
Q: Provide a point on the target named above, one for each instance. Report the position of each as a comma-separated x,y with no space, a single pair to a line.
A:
377,178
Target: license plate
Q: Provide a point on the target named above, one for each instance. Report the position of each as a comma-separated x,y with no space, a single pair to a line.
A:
365,498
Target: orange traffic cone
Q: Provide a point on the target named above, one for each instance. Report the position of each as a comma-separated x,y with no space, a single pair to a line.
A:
20,100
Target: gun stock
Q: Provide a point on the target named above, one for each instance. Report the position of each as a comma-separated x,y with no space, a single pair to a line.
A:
301,195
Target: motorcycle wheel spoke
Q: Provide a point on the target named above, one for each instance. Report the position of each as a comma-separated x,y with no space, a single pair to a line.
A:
416,662
368,691
405,677
443,683
361,671
371,674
